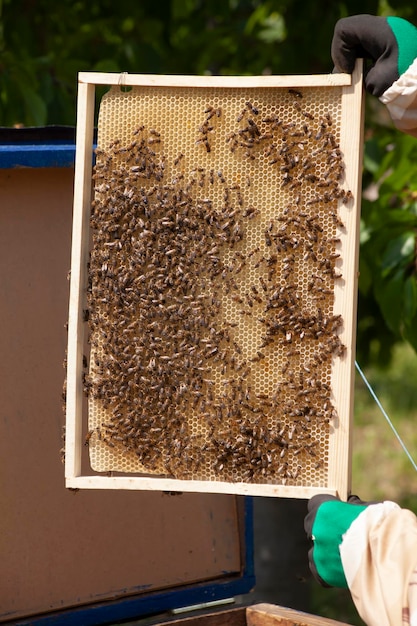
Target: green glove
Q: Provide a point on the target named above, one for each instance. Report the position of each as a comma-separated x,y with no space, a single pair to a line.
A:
327,521
388,44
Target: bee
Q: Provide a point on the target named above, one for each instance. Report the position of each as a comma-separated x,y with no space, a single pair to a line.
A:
205,143
337,220
347,196
249,300
249,212
252,108
240,267
241,115
259,356
274,120
308,115
253,130
295,92
328,118
211,112
268,239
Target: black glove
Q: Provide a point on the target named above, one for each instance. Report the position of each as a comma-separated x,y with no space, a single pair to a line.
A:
388,44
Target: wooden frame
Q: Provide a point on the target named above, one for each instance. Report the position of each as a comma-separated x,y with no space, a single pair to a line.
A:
345,298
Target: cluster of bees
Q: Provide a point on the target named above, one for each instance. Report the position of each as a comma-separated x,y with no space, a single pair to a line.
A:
168,365
208,126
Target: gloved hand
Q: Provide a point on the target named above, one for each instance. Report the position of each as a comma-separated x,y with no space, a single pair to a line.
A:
327,521
389,44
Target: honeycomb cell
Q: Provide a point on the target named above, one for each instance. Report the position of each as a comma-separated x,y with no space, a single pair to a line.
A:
212,274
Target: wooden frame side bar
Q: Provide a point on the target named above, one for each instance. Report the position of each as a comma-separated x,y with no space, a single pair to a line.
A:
351,142
79,253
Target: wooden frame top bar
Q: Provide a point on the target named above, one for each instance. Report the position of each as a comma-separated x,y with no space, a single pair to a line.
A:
176,80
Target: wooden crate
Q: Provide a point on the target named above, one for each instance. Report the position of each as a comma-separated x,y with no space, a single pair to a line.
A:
241,197
256,615
271,615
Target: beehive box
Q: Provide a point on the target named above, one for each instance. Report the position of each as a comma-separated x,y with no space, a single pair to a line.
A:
214,276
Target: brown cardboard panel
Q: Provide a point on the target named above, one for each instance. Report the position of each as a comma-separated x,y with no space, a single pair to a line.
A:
60,548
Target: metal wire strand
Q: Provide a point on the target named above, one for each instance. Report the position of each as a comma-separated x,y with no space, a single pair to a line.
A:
384,413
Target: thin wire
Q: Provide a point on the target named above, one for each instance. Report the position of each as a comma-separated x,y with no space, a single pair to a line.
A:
384,413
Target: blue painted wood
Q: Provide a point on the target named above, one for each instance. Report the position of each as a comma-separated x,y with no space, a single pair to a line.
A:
37,155
137,607
45,146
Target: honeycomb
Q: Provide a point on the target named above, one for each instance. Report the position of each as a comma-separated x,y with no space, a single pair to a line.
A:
212,272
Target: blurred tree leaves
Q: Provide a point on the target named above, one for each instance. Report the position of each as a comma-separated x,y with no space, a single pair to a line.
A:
388,243
43,44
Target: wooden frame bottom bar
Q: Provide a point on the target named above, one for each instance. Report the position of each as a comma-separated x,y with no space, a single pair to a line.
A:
194,486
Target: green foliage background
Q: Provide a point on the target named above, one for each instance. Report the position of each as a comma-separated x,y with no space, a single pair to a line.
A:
43,44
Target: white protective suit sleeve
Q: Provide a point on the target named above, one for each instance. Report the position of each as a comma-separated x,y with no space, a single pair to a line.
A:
379,558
